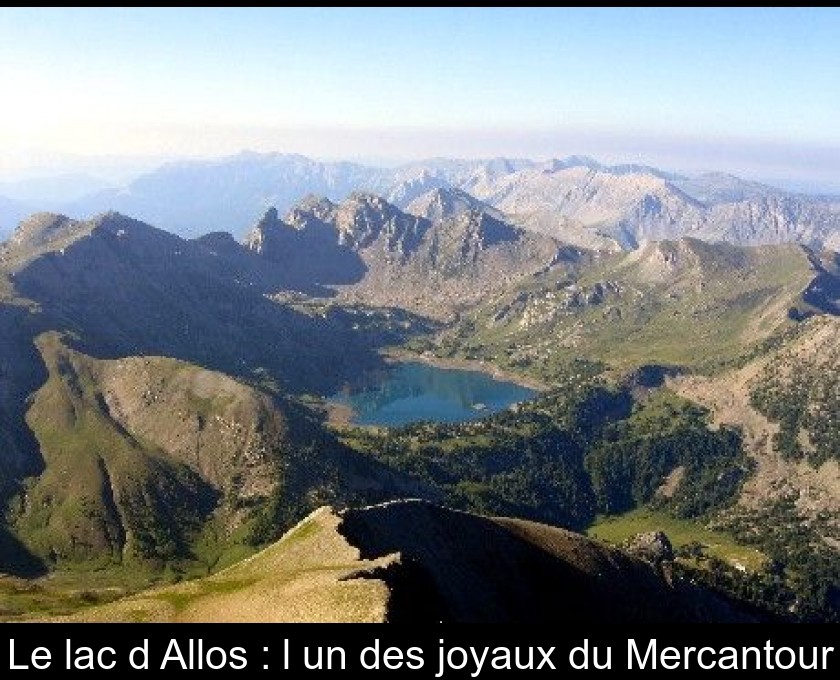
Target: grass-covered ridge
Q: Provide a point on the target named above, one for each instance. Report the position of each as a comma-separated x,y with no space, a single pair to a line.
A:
686,303
306,576
413,561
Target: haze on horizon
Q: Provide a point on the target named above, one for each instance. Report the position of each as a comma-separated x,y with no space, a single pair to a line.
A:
754,92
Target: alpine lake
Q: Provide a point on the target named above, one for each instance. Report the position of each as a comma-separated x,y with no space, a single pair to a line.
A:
407,392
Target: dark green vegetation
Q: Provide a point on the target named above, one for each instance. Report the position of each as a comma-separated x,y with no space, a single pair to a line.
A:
588,450
662,436
791,576
582,449
802,394
803,575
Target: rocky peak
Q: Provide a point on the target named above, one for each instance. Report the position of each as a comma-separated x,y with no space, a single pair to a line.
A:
481,229
41,229
113,222
364,217
267,229
661,261
556,164
362,201
713,188
445,202
45,232
312,205
501,166
269,219
414,185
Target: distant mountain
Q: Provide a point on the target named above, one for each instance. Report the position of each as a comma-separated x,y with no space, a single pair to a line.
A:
193,198
640,205
577,199
415,562
719,187
445,203
469,174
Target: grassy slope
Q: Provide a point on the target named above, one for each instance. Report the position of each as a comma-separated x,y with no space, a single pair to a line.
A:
302,577
105,494
616,529
155,461
684,303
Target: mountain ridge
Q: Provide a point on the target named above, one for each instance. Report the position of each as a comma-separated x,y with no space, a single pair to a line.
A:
411,561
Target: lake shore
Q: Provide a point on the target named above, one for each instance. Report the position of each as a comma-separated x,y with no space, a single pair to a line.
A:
338,414
478,365
342,414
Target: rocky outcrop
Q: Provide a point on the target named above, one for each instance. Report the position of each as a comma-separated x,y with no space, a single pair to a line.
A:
653,547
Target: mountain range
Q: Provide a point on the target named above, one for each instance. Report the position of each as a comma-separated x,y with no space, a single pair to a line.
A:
577,199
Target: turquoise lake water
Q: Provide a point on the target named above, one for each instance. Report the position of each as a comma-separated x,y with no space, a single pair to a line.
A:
408,392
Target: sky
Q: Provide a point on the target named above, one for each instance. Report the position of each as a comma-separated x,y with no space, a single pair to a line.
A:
750,91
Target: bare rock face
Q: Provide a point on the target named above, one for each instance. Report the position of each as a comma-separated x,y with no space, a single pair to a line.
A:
367,250
651,546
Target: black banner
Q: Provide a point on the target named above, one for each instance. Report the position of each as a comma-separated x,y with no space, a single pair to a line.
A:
421,652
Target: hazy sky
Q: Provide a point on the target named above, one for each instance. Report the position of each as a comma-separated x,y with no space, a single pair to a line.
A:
750,90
